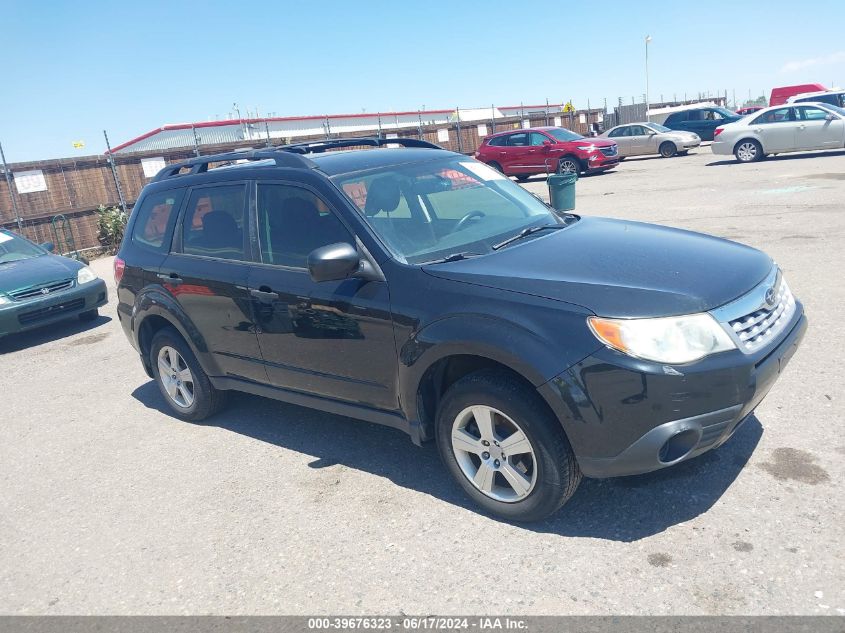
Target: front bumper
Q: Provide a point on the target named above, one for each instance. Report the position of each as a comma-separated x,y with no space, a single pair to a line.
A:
624,416
599,162
20,316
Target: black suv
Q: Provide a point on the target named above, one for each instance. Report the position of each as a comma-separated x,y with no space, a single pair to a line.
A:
418,288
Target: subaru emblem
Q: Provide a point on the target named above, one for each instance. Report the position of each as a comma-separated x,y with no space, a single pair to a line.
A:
770,296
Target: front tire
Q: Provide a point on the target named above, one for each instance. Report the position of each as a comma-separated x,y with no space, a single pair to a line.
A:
496,166
748,151
505,448
569,165
668,149
523,177
180,378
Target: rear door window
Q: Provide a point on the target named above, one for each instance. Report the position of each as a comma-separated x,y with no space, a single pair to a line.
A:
155,218
213,224
498,141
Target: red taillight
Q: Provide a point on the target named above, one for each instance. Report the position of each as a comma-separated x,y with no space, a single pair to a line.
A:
718,131
119,267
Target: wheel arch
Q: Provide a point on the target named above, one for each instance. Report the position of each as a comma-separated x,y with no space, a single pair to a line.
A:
156,309
439,355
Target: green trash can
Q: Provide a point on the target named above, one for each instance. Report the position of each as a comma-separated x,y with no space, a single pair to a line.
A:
562,191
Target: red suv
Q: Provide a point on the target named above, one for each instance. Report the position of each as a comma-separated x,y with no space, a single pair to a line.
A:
523,153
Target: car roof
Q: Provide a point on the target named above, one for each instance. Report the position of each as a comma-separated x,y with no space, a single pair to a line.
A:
348,161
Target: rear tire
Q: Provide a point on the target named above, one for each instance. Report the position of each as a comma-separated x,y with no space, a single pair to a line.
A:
89,315
538,476
523,177
185,387
748,151
668,149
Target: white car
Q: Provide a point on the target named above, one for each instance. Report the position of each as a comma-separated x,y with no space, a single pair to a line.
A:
637,139
779,129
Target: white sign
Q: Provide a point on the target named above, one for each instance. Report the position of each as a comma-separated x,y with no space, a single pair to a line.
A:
599,117
30,181
557,121
442,135
152,166
582,118
392,136
526,123
482,130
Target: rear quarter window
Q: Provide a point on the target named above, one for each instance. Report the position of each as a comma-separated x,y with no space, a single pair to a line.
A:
155,216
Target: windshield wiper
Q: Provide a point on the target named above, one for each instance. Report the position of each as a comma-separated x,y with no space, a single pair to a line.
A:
454,257
525,233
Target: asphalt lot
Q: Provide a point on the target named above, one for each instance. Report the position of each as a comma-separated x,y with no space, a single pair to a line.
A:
110,506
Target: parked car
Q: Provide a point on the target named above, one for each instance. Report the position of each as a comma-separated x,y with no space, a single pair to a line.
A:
748,110
781,94
421,289
701,121
830,97
637,139
38,288
526,152
781,129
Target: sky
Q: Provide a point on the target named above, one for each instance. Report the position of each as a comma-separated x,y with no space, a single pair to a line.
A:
73,69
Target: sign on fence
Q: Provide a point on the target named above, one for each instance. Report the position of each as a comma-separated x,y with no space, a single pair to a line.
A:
152,166
482,130
30,181
442,135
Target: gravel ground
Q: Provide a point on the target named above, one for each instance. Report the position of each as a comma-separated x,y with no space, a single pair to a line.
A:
110,506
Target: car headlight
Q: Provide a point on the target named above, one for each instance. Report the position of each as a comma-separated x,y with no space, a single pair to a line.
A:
586,148
4,300
672,340
85,275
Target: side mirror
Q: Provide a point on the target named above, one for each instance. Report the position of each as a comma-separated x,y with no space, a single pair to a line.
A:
333,262
830,117
48,246
547,143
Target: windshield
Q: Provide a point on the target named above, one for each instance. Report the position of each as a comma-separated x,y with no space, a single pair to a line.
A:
726,113
837,109
428,211
14,248
659,128
562,134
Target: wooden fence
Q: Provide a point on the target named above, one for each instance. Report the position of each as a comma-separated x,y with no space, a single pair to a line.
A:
75,187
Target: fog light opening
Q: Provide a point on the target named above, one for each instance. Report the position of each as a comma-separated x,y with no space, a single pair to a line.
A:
678,446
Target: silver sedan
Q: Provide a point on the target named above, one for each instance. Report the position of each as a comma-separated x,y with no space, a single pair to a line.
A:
785,128
638,139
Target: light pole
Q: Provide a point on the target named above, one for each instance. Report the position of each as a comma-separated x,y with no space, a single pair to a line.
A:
647,40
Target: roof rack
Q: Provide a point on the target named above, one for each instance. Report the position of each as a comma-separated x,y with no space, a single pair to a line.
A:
285,155
199,165
315,147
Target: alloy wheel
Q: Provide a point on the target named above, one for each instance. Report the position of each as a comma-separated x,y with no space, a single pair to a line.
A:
568,166
746,152
494,453
176,377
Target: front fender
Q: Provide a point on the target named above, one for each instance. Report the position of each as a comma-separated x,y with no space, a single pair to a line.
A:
529,352
156,301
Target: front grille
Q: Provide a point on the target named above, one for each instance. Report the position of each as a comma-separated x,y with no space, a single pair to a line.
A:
49,312
609,151
757,328
41,290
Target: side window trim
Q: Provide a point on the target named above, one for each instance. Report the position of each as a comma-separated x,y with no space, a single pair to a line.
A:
256,222
177,244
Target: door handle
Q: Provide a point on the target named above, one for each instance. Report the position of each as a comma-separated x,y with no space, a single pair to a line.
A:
802,126
172,278
264,293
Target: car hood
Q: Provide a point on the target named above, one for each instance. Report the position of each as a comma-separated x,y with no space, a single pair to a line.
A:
619,269
36,270
677,134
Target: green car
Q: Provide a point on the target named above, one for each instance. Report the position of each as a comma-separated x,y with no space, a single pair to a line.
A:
38,288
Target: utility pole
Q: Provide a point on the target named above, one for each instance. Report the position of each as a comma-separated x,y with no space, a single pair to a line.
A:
114,174
196,141
647,40
11,193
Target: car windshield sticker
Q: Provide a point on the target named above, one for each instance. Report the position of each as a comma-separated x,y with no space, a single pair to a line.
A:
483,171
5,237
